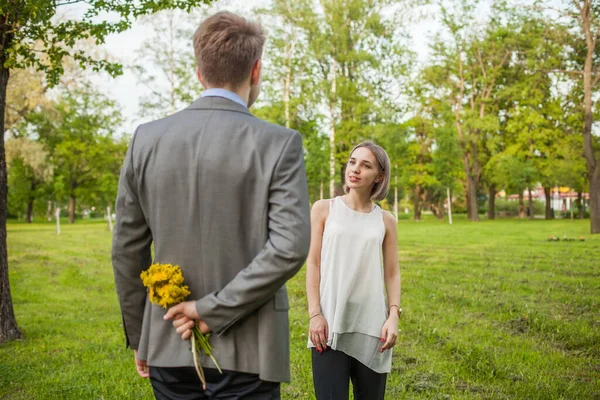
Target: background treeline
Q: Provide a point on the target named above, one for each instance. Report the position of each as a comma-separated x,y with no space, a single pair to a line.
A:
504,100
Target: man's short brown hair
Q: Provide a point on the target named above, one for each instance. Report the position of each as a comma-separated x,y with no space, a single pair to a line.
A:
226,46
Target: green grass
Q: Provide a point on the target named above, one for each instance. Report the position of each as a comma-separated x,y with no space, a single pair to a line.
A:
491,311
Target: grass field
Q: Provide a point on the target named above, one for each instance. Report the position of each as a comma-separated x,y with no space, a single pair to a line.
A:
491,311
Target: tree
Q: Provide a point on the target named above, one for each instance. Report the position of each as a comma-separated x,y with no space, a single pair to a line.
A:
26,92
420,168
30,36
289,98
29,166
353,83
165,64
466,72
538,112
393,138
515,173
582,19
80,137
588,20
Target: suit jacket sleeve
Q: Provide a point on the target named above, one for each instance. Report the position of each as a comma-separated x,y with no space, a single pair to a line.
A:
131,253
282,255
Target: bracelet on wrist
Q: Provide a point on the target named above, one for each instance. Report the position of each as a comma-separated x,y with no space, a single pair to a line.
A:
314,315
398,307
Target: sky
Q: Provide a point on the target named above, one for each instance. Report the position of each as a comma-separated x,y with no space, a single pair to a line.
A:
126,89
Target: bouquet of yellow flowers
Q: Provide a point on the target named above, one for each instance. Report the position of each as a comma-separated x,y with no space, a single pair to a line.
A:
166,288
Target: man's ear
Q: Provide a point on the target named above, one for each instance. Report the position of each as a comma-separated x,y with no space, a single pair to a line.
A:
255,72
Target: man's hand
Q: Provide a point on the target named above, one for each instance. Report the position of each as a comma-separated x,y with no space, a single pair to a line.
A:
184,317
141,366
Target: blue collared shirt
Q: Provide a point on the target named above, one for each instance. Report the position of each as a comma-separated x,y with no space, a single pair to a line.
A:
217,92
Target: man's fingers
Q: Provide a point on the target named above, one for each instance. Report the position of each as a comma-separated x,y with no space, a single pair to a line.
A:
203,327
173,311
143,371
179,321
185,327
186,335
142,368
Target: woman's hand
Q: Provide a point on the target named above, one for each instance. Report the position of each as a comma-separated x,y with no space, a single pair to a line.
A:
389,332
319,332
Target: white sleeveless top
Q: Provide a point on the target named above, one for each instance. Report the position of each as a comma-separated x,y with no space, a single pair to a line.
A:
352,286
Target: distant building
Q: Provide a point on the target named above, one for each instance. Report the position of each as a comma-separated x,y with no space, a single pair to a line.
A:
562,198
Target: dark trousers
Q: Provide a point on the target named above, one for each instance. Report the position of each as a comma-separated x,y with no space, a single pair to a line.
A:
182,383
333,371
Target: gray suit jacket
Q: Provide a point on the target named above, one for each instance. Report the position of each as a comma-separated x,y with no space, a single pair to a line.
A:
224,195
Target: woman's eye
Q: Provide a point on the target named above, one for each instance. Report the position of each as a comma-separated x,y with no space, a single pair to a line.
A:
351,162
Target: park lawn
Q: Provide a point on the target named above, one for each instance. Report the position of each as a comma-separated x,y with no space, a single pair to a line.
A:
492,310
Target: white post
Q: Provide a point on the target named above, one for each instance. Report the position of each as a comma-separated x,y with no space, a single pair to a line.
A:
57,216
110,226
449,206
570,205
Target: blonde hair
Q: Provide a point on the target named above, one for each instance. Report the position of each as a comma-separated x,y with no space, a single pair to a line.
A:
380,189
226,46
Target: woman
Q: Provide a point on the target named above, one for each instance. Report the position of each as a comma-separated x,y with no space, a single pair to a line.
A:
352,329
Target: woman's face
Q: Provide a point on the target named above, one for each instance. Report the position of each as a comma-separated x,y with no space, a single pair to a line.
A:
362,171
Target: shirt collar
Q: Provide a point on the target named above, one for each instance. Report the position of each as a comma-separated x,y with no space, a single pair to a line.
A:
219,92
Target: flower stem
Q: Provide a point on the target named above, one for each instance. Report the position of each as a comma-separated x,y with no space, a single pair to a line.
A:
202,343
198,366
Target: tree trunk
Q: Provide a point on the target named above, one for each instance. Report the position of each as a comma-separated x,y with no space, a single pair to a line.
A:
289,53
332,133
586,14
30,202
548,195
417,203
72,209
580,212
492,202
8,324
471,184
472,198
595,201
530,205
29,217
438,209
521,206
49,212
449,197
